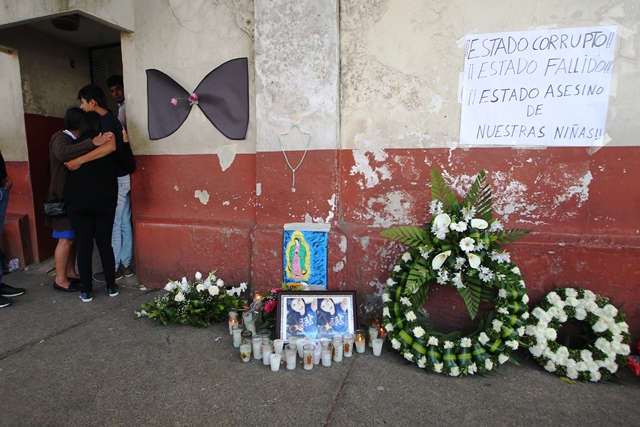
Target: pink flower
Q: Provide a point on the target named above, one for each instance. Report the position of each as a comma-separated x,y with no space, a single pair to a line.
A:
274,290
174,101
193,98
269,306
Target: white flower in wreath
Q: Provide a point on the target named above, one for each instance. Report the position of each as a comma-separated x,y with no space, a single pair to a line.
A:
220,283
468,214
513,344
623,327
408,356
525,298
406,301
570,292
458,226
200,287
391,282
397,268
483,338
406,257
425,252
502,293
488,364
472,369
586,355
198,275
432,341
214,290
582,367
385,297
443,277
572,373
422,362
525,315
418,332
448,344
550,366
455,371
169,286
536,350
435,207
520,331
603,345
439,259
467,244
411,316
460,263
516,270
184,281
207,283
589,296
385,312
496,226
610,310
474,260
457,280
553,297
465,342
497,325
442,221
389,327
600,326
179,297
395,344
572,302
478,223
437,367
502,358
596,376
590,306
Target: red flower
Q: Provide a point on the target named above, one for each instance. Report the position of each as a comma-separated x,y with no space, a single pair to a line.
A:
270,306
634,367
274,290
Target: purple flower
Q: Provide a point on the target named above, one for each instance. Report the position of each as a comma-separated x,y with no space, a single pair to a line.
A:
174,101
193,98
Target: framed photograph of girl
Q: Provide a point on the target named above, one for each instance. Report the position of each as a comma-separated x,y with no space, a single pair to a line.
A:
315,314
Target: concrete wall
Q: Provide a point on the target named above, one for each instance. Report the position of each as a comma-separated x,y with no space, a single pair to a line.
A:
12,135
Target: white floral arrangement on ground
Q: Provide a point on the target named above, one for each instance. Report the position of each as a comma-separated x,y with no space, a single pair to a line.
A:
460,247
199,303
609,336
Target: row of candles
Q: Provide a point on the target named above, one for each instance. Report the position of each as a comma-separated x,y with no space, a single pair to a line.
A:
312,352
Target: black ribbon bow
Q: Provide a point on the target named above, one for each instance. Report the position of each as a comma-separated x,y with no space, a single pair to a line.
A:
223,96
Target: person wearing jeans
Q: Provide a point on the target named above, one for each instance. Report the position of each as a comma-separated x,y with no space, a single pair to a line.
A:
122,237
5,186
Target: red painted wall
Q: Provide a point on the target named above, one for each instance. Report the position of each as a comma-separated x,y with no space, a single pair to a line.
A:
593,243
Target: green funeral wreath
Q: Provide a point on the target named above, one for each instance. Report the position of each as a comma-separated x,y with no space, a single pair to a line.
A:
607,336
459,247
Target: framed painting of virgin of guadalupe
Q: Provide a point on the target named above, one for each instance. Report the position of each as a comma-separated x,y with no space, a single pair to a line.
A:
304,259
315,314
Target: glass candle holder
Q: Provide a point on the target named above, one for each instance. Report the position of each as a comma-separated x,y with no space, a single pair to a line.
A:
326,357
246,337
324,343
249,320
245,352
348,345
360,341
237,335
338,348
308,356
233,320
256,341
265,333
290,354
377,346
293,340
278,346
317,352
373,334
267,350
274,360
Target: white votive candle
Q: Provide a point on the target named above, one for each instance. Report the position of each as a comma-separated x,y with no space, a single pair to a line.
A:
256,341
275,361
245,352
277,346
326,358
290,352
348,345
377,346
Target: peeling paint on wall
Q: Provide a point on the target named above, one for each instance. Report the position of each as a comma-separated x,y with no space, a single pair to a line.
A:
203,196
392,208
343,244
371,176
581,191
226,155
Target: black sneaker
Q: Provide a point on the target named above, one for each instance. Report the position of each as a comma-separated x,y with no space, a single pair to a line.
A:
126,271
113,292
10,291
86,296
5,302
119,274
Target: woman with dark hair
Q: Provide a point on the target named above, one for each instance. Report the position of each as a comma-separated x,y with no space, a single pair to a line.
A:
302,319
91,196
65,146
333,318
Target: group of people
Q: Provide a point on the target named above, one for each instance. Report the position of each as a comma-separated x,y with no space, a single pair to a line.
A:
318,317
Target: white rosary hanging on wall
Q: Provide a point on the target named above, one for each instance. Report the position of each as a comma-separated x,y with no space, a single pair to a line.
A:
293,170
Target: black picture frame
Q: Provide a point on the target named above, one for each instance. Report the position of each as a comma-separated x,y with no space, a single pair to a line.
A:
316,318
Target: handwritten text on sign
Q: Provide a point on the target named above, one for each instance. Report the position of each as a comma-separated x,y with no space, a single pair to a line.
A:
537,87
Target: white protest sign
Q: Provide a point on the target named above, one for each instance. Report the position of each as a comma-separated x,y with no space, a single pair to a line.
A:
547,88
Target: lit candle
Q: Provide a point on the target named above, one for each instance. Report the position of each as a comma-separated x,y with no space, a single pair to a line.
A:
245,352
377,347
233,320
373,334
249,321
308,356
237,335
348,345
360,344
257,296
275,362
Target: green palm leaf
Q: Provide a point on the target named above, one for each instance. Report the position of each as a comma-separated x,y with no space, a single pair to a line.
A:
421,295
509,236
441,191
471,297
413,236
418,275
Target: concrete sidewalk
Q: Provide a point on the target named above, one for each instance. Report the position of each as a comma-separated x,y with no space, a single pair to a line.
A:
64,362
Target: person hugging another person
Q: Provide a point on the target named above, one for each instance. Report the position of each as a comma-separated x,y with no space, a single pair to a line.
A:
91,193
65,146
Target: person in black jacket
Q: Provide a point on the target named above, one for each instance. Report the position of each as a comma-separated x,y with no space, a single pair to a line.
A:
92,190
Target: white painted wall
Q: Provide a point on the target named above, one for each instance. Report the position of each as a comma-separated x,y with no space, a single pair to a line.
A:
13,141
401,64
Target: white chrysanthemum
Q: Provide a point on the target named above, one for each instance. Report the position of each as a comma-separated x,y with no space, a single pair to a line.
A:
581,314
467,244
502,293
496,226
422,362
488,364
385,297
497,324
603,345
610,310
600,326
408,356
455,371
406,257
437,367
425,252
513,344
516,270
581,367
536,350
391,282
623,327
553,297
525,315
214,290
432,341
595,376
448,344
472,369
388,327
572,373
520,331
531,330
465,342
200,287
571,301
550,334
483,338
503,310
397,268
411,316
395,344
418,332
503,358
550,366
468,214
385,312
406,301
169,286
179,297
589,296
435,207
525,298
